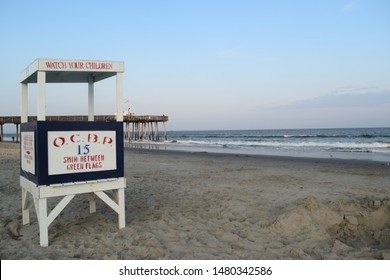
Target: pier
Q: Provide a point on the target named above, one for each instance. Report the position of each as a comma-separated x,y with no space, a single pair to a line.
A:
142,127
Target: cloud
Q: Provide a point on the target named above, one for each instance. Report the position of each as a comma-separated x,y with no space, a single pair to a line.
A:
343,100
350,90
235,52
350,6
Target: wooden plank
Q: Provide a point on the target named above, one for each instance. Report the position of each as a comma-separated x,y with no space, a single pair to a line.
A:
57,210
103,196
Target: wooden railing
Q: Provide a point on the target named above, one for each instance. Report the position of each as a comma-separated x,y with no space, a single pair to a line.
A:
126,118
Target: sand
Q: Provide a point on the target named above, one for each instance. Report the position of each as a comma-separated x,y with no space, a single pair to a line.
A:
182,205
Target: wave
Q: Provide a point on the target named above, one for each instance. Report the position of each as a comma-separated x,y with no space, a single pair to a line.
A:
341,146
277,136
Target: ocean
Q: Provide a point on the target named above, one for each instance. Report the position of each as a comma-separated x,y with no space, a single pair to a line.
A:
9,137
347,143
344,143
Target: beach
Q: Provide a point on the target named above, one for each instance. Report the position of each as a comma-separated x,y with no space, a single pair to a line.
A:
195,205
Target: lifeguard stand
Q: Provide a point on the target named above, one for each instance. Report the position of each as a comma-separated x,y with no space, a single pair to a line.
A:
67,158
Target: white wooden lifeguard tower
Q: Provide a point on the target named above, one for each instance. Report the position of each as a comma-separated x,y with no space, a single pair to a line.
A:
67,158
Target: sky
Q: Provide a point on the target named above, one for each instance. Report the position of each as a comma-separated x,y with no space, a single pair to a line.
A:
210,64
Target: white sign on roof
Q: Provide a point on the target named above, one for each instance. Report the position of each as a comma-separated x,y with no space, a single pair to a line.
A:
60,70
79,65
